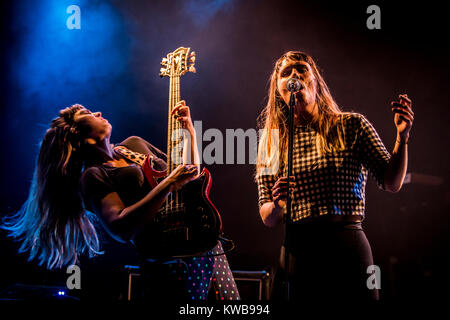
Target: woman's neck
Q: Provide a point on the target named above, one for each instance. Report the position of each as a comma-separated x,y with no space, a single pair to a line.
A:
306,115
100,153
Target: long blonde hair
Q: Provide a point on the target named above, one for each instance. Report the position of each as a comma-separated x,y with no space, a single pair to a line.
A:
328,124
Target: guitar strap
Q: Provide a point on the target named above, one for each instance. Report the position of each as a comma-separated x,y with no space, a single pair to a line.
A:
145,161
136,157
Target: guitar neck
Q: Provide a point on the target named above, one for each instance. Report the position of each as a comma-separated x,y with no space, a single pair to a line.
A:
174,136
173,66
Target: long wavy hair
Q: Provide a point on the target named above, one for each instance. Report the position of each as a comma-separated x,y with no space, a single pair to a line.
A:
52,225
328,125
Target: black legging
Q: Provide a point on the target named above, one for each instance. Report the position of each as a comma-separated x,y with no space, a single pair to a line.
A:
329,262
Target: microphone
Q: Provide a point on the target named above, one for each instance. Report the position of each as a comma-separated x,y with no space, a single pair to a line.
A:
293,85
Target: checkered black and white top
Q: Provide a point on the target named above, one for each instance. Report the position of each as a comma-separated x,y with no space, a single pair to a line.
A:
331,184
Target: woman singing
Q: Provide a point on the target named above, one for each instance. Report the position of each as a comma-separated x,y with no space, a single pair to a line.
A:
333,151
78,169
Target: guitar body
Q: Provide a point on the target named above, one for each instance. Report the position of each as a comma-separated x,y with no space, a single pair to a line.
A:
186,230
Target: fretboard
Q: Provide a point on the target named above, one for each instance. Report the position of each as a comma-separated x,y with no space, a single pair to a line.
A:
174,135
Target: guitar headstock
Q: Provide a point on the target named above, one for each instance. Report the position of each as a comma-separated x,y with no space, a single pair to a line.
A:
177,63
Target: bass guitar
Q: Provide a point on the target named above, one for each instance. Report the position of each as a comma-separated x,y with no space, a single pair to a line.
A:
188,224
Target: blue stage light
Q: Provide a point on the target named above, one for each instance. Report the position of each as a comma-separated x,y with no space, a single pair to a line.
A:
56,64
203,10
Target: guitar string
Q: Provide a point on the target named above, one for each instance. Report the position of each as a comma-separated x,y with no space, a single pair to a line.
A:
174,137
174,131
176,162
169,146
180,140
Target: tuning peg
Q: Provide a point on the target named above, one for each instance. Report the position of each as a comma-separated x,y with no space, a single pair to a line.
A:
164,61
192,69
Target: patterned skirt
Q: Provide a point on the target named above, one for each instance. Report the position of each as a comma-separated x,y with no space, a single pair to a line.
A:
205,277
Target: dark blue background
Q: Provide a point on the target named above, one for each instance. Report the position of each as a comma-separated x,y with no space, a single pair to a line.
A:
112,65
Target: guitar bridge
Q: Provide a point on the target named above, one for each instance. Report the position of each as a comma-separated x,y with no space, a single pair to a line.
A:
178,234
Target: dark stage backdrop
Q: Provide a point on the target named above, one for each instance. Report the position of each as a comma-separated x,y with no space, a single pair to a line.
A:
111,64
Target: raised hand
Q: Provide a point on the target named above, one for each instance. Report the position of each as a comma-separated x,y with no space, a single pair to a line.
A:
404,116
182,113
